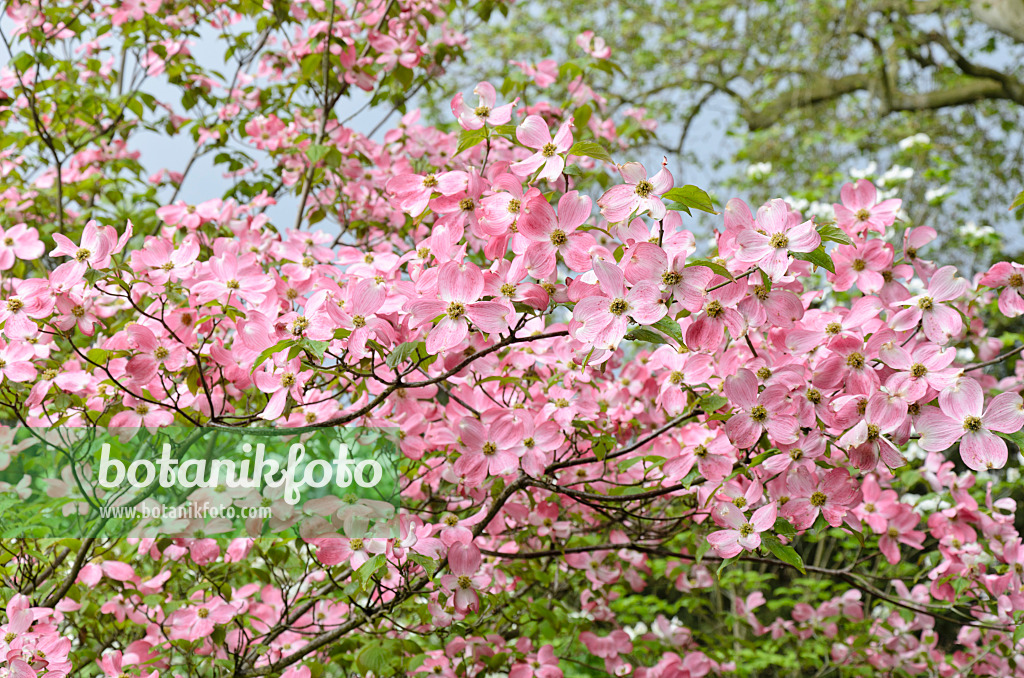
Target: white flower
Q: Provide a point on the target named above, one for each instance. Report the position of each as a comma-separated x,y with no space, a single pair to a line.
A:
759,170
937,193
822,210
799,204
868,171
896,174
919,139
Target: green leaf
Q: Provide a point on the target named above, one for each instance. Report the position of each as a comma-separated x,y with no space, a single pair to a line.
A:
703,546
818,257
590,149
671,328
469,138
279,346
644,334
832,233
784,527
715,267
1018,202
783,552
404,352
691,196
316,152
317,348
713,402
428,564
375,659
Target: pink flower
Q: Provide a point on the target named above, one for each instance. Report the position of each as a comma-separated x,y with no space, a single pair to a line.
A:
859,211
900,530
861,265
197,621
464,562
487,451
533,133
551,236
940,321
138,415
594,46
411,192
832,497
279,380
768,246
485,112
16,361
866,441
961,418
458,286
639,194
601,319
756,412
19,242
1008,275
230,277
707,331
97,245
542,665
652,264
744,534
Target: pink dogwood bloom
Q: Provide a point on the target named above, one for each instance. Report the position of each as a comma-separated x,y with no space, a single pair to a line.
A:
832,497
638,194
533,133
485,112
602,319
961,418
860,212
758,412
19,242
464,562
487,451
940,322
768,246
652,264
1005,274
459,286
551,235
742,535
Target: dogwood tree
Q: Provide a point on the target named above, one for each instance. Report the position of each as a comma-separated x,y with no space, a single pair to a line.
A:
795,453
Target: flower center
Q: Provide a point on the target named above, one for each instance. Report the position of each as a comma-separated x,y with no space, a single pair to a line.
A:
796,454
233,285
558,237
779,241
758,413
82,254
548,150
618,307
873,432
514,206
746,529
887,276
855,360
50,374
482,111
859,264
911,253
456,310
918,370
676,377
925,304
869,508
355,544
529,443
818,499
739,502
15,305
489,449
464,582
670,278
160,353
299,324
700,451
764,373
142,409
644,188
833,328
863,215
561,402
202,613
466,204
714,309
508,290
761,292
972,424
287,379
1016,280
429,181
8,241
358,321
